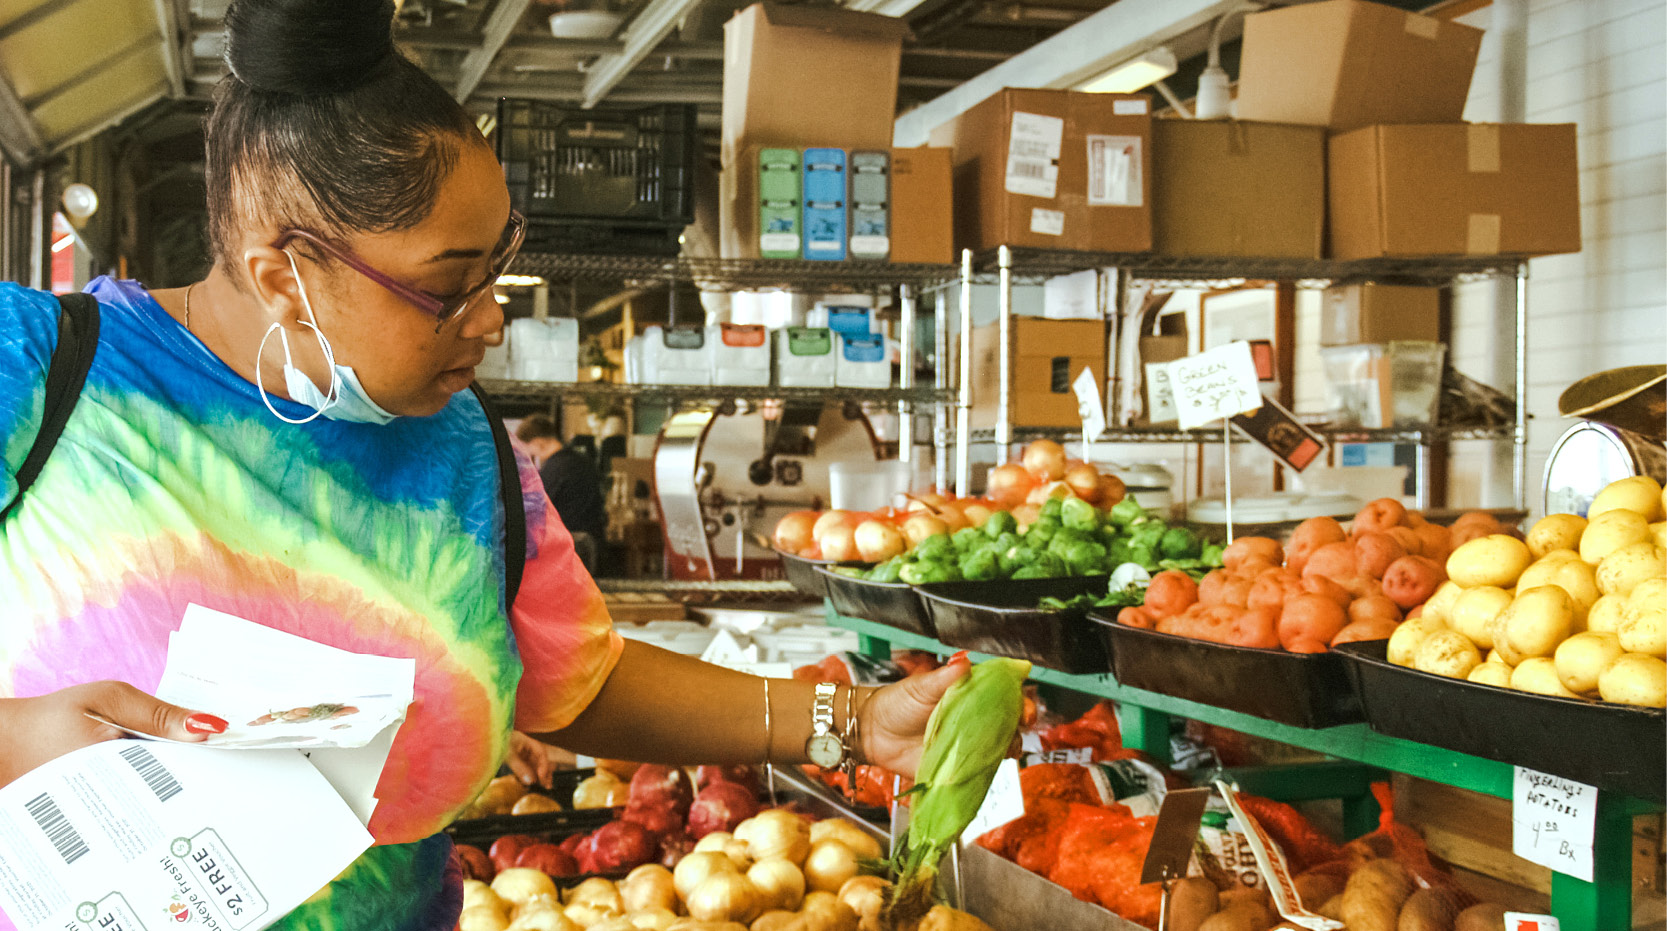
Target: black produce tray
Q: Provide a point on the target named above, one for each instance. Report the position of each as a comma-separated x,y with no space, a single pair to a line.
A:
1617,748
1000,617
894,604
801,572
1300,689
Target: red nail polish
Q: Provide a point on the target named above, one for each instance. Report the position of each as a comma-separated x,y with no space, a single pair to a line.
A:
960,657
201,723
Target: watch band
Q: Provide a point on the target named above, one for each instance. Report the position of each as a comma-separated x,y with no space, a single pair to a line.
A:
822,708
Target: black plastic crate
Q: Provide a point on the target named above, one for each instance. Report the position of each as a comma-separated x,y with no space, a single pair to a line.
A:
608,163
1001,618
603,237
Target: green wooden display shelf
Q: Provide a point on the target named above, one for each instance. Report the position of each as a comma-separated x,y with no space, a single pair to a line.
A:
1602,905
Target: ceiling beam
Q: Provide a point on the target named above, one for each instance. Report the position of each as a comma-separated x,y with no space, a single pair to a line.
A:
40,12
648,29
1113,35
173,48
18,133
142,43
629,92
886,7
499,25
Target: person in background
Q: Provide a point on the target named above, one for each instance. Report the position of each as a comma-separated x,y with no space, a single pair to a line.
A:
571,481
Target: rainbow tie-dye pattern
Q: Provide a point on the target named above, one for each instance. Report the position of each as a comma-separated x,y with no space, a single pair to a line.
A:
173,484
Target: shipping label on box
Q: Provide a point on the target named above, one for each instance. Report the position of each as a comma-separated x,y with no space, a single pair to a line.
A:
1114,176
1033,147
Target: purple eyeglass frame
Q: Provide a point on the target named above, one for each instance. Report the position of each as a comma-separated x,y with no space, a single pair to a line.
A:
442,311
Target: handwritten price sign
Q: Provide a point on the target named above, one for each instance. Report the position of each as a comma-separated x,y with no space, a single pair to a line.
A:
1552,821
1214,384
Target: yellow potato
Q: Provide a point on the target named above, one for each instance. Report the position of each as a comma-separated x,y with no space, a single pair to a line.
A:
1491,674
1495,658
1623,569
1496,559
1555,532
1473,614
1648,591
1569,574
1539,675
1635,679
1403,643
1645,629
1447,653
1583,657
1538,620
1440,603
1639,493
1608,613
1610,531
1658,533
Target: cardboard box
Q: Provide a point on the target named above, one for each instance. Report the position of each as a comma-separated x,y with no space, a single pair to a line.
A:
922,206
794,75
1234,188
1048,355
1053,169
1159,406
1379,313
1344,64
1454,189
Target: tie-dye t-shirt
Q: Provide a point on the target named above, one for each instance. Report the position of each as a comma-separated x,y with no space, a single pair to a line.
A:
173,484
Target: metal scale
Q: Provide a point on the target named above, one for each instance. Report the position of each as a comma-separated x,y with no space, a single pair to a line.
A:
724,476
1621,435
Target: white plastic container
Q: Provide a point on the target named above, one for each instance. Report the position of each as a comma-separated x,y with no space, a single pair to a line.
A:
635,373
677,356
844,319
544,350
740,354
864,362
867,486
805,357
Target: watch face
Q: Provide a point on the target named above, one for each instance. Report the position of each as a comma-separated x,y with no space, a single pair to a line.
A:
825,750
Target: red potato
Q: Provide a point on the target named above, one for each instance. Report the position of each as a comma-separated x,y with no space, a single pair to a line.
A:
1374,551
1409,540
1472,525
548,859
1306,646
1136,617
1310,618
1209,588
1371,628
476,864
1326,588
1411,580
1112,490
1413,520
506,849
1218,622
1254,567
1415,612
1171,592
1361,586
1374,607
1245,549
1437,540
1235,591
1333,561
1379,515
1271,588
1309,536
1257,627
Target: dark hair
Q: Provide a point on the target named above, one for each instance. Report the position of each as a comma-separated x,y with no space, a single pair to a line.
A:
322,124
537,427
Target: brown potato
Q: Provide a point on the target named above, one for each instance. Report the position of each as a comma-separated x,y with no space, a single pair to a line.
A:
1487,916
1373,898
1313,889
1193,900
1429,910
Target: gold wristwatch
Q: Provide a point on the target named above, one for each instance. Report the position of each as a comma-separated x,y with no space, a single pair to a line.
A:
825,748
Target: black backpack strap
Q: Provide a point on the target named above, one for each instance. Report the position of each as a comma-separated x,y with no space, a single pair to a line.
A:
509,488
65,375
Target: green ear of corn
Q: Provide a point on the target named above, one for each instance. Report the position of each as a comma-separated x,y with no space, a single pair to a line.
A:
967,737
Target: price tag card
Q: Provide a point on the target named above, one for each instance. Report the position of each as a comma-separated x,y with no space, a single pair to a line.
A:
1080,756
1528,921
1091,407
1552,822
1214,384
1003,803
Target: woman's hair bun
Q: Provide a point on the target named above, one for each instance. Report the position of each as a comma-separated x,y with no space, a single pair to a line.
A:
307,47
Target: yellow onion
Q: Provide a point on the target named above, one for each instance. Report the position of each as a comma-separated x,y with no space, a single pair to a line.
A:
780,884
648,887
775,833
829,865
865,895
773,920
585,914
695,868
482,918
652,919
519,884
847,833
724,896
596,891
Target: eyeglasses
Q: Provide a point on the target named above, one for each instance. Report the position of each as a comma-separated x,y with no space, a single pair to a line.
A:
442,309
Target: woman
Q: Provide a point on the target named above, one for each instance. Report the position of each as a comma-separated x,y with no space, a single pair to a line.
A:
289,441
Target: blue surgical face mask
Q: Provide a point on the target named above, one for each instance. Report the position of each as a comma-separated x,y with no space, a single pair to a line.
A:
346,400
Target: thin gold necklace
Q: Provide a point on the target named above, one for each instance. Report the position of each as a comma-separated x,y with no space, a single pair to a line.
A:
188,304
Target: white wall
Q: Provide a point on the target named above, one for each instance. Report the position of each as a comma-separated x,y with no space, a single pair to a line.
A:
1601,64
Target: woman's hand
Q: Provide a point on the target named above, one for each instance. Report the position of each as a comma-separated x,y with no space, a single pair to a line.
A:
892,723
533,761
37,730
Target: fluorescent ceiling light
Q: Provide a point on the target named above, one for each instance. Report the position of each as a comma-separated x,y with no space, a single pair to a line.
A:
1134,74
519,281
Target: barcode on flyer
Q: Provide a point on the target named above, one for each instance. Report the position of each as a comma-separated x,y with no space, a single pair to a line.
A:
56,827
152,771
1020,168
